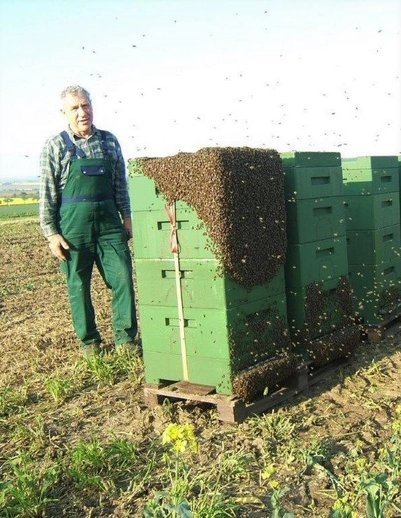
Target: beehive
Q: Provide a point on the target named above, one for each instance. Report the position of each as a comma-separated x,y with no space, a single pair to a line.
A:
311,175
368,175
231,227
377,290
317,261
374,246
318,293
372,209
315,219
318,309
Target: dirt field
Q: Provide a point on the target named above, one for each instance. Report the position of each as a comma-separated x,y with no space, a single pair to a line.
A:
316,452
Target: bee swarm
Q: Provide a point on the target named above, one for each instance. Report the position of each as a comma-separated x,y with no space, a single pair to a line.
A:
341,343
250,384
239,195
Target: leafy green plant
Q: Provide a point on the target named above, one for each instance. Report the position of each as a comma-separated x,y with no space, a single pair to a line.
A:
93,465
343,509
108,368
12,399
276,494
33,432
163,506
181,439
276,425
29,487
58,387
101,370
87,463
376,489
383,490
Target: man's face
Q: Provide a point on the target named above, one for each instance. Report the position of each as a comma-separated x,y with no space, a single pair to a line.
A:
79,113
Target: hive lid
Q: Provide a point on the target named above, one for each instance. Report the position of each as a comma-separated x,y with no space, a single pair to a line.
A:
310,159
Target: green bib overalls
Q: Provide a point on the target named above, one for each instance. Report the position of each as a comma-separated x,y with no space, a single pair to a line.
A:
89,221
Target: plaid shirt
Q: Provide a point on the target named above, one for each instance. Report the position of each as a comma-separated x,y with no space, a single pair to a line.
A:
54,168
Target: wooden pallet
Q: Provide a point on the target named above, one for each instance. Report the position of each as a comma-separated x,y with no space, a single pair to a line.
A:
232,409
377,332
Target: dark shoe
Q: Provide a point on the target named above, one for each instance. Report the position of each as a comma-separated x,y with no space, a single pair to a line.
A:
90,349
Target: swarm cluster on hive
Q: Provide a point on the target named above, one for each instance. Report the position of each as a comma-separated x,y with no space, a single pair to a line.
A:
389,297
250,384
327,310
239,195
339,344
265,335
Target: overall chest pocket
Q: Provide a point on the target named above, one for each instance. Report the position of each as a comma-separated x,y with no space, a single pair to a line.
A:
93,170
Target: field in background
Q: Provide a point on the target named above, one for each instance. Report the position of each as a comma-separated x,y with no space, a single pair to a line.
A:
18,201
18,210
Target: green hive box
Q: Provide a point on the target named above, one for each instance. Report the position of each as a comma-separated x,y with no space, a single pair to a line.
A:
399,172
152,231
152,227
312,182
310,159
201,283
319,309
372,211
374,246
311,175
376,290
144,195
219,343
370,175
315,219
370,162
318,261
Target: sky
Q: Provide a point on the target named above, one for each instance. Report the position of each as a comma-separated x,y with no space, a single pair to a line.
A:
167,76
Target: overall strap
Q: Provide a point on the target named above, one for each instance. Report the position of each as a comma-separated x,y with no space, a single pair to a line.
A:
103,138
72,148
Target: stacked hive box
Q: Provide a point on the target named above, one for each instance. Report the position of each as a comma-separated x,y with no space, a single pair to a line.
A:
318,293
399,179
372,208
228,274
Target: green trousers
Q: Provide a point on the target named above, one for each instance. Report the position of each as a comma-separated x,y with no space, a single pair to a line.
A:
95,234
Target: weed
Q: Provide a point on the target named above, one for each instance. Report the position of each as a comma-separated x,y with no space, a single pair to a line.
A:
58,387
180,439
342,509
163,506
276,494
33,432
106,369
276,425
87,463
29,487
101,370
12,399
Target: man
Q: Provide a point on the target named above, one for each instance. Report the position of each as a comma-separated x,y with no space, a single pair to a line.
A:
85,214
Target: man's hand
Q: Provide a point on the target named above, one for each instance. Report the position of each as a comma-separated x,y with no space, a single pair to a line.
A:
127,223
57,246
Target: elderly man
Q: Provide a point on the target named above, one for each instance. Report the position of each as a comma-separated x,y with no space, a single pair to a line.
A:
84,213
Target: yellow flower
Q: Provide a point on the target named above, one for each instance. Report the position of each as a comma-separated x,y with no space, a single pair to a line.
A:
268,472
274,484
181,436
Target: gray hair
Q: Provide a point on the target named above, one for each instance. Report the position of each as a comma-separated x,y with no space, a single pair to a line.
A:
74,90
